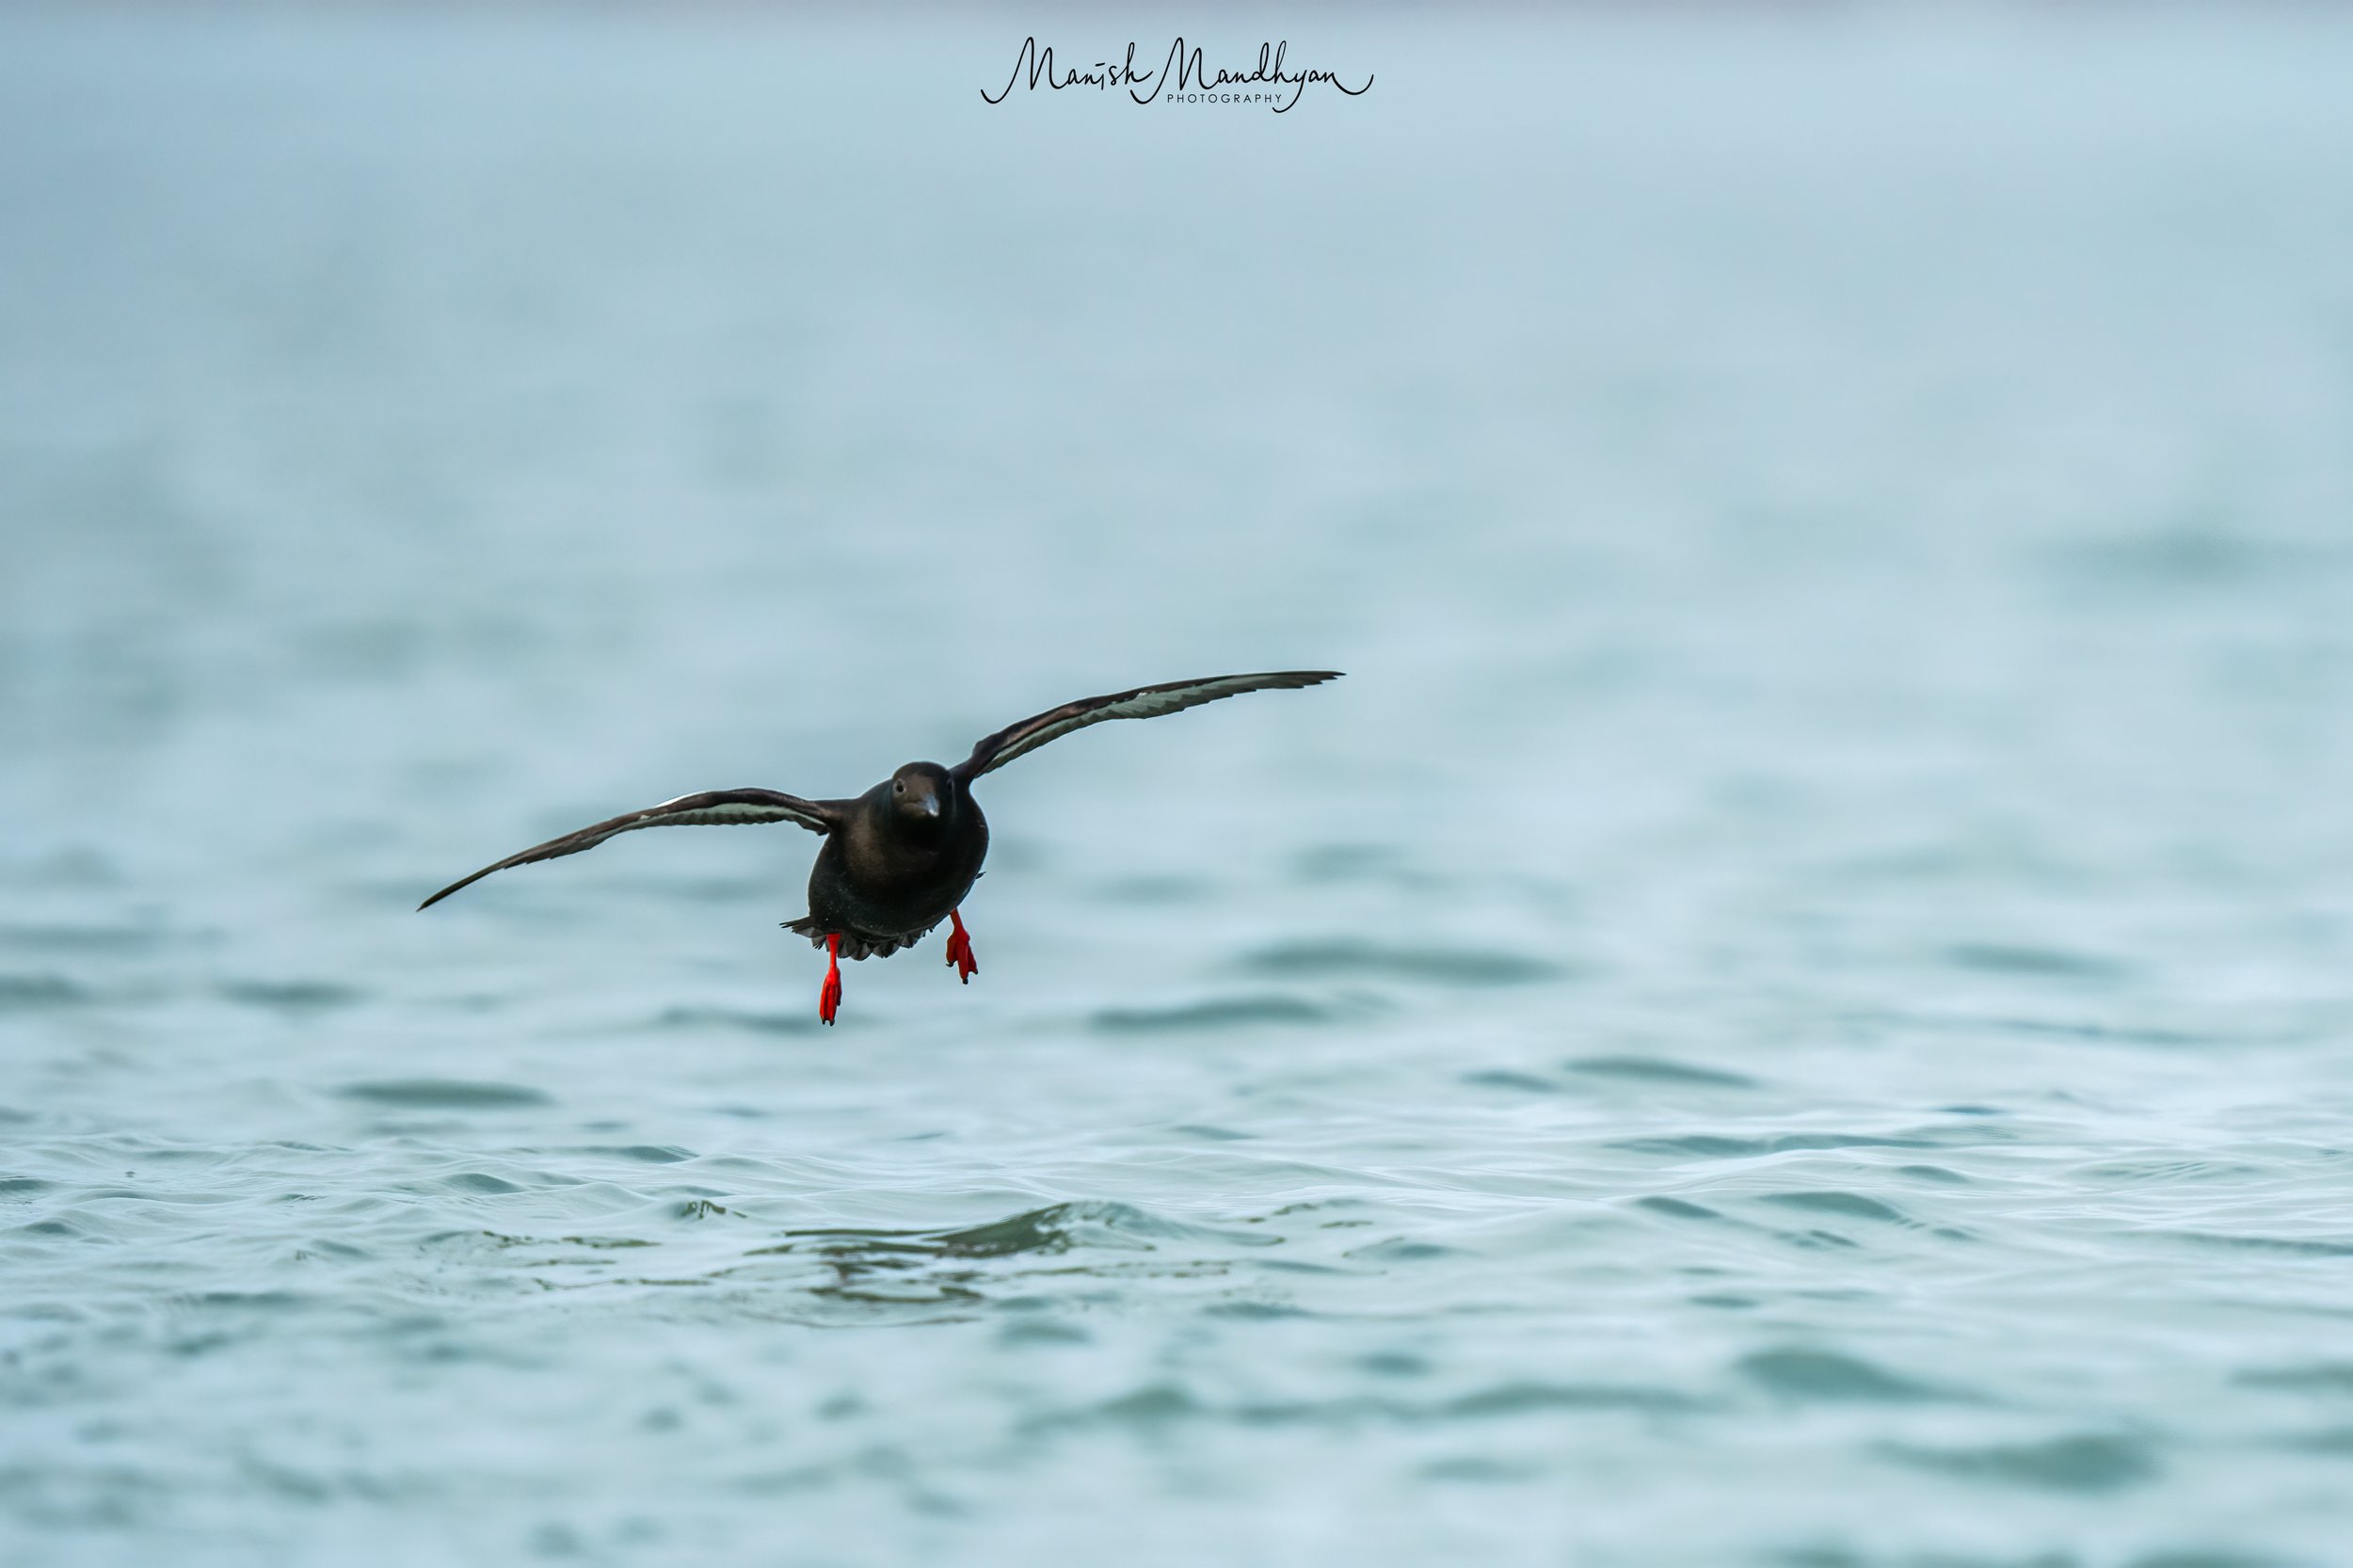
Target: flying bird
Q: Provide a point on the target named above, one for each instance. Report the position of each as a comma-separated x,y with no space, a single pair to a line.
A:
901,857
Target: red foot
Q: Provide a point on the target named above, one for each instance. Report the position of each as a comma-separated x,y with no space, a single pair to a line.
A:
960,950
829,995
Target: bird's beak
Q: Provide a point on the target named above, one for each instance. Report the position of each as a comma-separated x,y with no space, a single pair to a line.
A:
931,806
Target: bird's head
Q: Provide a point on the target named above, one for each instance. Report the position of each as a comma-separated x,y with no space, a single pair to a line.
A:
923,796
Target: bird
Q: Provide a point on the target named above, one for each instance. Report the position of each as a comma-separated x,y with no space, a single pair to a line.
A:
900,858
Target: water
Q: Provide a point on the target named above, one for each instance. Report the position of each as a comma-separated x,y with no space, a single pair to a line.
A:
1792,1009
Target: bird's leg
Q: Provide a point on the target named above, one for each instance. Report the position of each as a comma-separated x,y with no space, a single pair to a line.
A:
960,950
829,996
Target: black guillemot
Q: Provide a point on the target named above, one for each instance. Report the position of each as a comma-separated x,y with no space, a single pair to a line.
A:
901,857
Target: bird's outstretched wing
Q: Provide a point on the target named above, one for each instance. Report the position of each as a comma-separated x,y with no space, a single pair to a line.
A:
1145,702
711,806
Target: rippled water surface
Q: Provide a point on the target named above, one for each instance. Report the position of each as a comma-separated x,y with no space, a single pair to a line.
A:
1792,1009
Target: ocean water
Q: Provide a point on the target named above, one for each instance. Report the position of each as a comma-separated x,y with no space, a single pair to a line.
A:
1793,1009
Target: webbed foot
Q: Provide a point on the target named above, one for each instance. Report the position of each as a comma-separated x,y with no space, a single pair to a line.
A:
829,995
960,950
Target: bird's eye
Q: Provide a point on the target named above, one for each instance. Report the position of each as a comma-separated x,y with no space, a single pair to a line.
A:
900,787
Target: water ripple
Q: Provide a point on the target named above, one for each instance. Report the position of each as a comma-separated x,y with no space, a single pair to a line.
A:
434,1094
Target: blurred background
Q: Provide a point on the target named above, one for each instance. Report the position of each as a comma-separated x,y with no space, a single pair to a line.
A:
1792,1008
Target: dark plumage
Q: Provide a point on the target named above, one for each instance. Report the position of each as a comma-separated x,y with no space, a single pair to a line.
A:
899,859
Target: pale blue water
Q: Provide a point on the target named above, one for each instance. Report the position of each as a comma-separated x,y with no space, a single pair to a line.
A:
1793,1009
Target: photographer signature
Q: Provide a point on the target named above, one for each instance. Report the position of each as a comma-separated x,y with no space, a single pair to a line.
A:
1182,72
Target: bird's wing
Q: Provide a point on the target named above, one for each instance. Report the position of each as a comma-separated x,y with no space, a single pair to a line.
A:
711,806
1145,702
